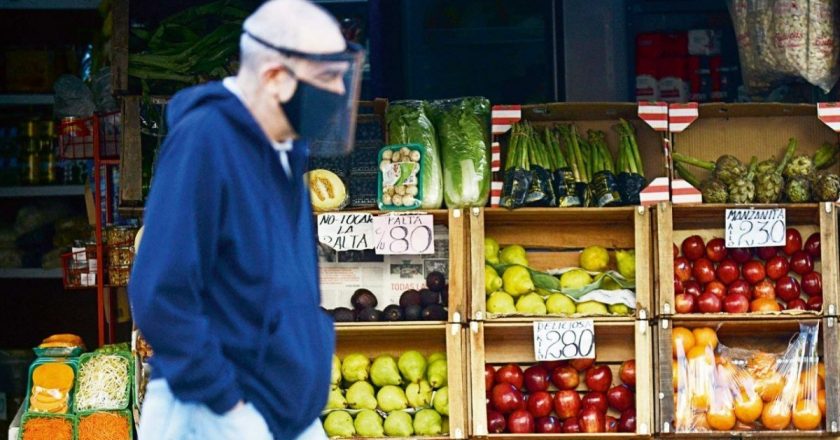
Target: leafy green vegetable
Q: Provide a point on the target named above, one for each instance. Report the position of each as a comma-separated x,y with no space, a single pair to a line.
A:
409,124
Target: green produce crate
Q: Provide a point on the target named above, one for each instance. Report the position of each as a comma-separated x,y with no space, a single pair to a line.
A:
125,414
29,416
72,362
127,392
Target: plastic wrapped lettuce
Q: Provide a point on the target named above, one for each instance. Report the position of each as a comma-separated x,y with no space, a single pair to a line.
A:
409,124
463,130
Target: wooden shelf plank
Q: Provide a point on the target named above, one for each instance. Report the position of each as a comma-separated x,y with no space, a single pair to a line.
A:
42,191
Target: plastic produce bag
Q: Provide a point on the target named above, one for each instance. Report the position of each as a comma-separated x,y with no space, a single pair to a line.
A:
408,124
517,180
401,175
721,388
72,98
463,129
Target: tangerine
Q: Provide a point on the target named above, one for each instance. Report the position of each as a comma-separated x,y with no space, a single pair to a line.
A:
809,383
821,401
748,407
705,336
721,418
682,337
702,354
765,305
770,387
776,415
806,415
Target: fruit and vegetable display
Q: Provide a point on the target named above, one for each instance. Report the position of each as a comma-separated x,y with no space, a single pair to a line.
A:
594,288
327,191
711,278
575,396
558,166
721,388
429,304
403,396
795,178
51,386
103,382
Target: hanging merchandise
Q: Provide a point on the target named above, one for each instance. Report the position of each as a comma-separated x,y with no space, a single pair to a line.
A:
408,123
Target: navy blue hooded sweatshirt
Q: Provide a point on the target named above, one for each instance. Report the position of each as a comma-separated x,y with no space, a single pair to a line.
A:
225,284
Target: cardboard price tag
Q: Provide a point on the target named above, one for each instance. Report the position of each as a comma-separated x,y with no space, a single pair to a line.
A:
755,227
346,231
407,234
561,340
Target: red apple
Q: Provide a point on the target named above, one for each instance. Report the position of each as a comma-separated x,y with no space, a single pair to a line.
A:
620,397
740,255
682,268
709,303
812,245
598,378
571,426
703,270
592,421
717,288
489,377
767,252
627,373
611,424
549,425
685,303
812,284
678,286
520,422
777,267
815,303
567,404
736,303
581,364
797,304
753,271
793,241
764,289
740,287
512,374
728,271
716,249
692,288
627,422
536,378
693,247
596,399
565,378
540,403
801,263
506,398
496,423
787,288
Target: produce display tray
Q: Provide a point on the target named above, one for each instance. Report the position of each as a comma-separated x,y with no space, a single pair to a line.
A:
499,343
554,238
770,334
676,222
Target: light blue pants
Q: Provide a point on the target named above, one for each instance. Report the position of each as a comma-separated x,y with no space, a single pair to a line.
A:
166,418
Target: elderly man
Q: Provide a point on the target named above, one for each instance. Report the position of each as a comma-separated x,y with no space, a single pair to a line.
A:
225,286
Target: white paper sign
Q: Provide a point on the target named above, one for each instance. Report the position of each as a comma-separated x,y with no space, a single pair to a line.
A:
755,228
344,231
561,340
407,234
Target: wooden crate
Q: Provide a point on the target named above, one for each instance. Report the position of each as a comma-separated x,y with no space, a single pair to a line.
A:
374,340
676,222
554,238
770,334
500,343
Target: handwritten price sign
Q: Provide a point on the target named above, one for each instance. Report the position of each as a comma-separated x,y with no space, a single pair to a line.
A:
404,234
755,227
561,340
346,231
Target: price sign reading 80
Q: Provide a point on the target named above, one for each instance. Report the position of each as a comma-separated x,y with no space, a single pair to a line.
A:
561,340
755,227
404,234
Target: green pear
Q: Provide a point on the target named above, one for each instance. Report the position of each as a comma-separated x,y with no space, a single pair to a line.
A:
435,356
384,371
514,254
559,304
339,424
335,375
355,367
492,280
575,279
437,373
419,394
626,262
391,398
592,308
620,309
517,281
336,399
531,304
412,365
428,422
360,396
399,424
500,303
441,401
369,424
445,426
491,251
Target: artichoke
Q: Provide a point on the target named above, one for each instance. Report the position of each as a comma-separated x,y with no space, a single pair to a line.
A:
766,167
742,190
827,188
769,186
714,191
801,165
727,168
798,189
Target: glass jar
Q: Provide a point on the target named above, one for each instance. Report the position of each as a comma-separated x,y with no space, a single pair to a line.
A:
29,158
48,154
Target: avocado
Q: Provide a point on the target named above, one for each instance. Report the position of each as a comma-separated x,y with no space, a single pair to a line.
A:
435,281
343,314
369,315
434,312
410,297
413,312
428,297
392,313
444,296
362,299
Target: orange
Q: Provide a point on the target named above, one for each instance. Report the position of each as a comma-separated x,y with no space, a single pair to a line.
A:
809,383
770,387
748,407
806,415
705,336
683,337
821,370
701,354
821,401
776,415
765,305
721,418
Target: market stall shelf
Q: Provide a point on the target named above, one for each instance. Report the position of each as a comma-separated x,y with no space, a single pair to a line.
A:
750,283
